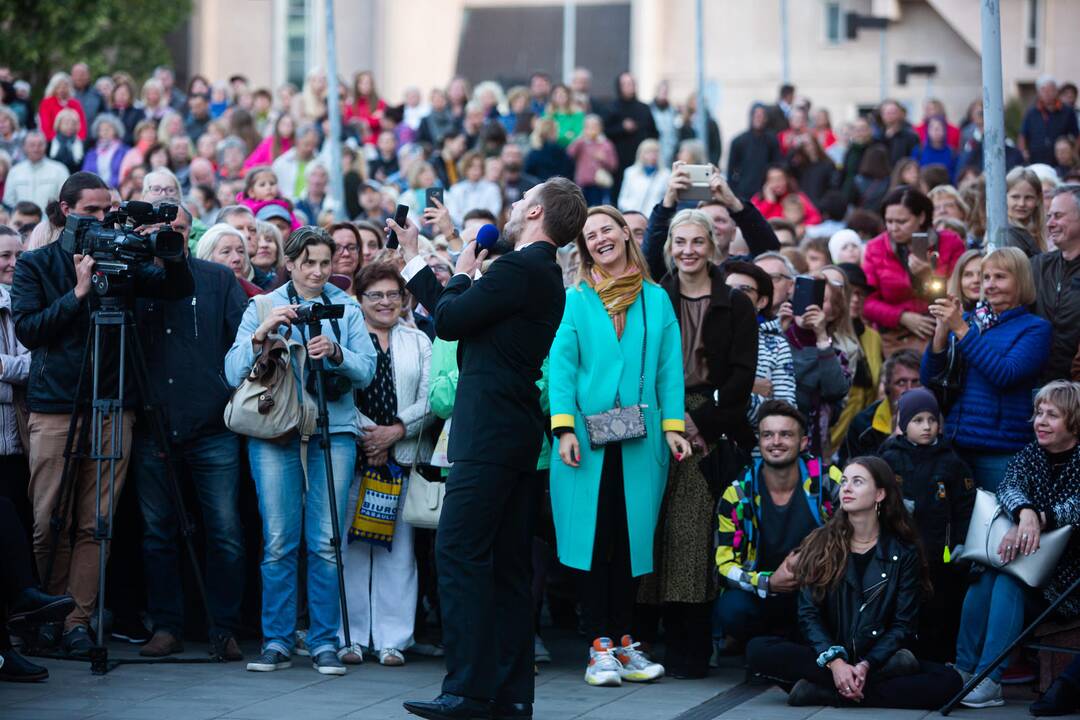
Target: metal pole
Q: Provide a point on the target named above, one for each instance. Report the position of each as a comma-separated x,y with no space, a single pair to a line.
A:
785,56
701,124
993,124
883,58
336,190
569,40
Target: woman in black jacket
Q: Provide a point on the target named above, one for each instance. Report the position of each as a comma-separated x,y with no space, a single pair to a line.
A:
862,576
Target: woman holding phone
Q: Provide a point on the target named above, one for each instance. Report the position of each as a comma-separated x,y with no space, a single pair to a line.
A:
618,345
900,265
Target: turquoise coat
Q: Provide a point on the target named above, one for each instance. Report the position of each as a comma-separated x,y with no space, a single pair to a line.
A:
588,364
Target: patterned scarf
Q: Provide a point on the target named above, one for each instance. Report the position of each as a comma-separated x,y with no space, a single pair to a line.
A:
617,293
377,508
984,316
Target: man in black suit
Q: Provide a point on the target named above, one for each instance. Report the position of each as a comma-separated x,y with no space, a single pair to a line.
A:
505,322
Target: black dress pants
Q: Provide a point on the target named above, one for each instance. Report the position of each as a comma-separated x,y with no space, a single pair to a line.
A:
484,553
787,662
16,566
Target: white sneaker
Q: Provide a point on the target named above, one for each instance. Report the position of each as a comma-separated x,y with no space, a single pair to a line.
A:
540,651
985,694
604,668
636,666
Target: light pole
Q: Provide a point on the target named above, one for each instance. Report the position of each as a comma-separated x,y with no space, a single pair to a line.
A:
993,140
337,180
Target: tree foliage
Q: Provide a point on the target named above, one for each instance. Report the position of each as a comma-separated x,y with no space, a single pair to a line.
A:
40,37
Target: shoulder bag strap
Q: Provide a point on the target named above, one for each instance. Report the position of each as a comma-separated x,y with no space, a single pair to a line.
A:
644,343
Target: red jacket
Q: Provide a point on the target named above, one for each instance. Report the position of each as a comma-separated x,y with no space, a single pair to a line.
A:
776,209
952,135
891,294
50,107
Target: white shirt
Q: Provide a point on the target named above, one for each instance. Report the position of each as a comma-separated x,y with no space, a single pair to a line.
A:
37,182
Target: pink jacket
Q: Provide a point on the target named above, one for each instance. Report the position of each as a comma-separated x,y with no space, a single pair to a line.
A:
586,163
257,205
263,154
891,293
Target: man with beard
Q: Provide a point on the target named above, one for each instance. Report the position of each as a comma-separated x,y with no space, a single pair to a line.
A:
505,322
764,516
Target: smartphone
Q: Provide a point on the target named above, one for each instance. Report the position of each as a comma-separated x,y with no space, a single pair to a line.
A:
808,291
431,195
920,245
700,175
400,217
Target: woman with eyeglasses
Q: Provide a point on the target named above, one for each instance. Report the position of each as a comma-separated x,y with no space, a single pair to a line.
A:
380,569
347,246
294,499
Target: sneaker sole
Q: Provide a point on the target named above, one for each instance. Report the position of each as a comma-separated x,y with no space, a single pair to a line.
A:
610,679
997,702
641,676
53,612
328,670
268,667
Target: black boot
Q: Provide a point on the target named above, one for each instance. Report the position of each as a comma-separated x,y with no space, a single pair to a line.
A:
16,668
1061,698
33,607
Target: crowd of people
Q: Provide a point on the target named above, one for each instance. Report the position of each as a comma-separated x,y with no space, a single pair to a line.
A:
822,363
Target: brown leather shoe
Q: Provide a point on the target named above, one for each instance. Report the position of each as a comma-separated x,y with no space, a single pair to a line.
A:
163,643
225,649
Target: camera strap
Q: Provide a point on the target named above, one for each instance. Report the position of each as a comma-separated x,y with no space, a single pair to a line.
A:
294,299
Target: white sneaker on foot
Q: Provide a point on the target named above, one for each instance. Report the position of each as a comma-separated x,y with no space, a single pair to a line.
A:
636,665
985,694
604,668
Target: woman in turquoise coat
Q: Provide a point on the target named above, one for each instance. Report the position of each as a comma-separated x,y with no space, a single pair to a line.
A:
605,501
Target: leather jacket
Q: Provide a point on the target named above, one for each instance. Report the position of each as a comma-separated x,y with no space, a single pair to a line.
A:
871,617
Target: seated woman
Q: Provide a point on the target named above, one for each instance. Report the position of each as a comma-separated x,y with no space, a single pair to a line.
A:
1039,493
862,577
1003,347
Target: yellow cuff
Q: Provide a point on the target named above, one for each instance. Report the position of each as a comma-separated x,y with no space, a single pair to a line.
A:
673,426
562,421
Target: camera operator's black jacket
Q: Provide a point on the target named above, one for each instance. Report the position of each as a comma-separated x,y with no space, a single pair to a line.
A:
54,324
185,342
871,616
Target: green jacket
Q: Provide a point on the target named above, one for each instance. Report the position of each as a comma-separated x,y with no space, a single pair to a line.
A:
443,388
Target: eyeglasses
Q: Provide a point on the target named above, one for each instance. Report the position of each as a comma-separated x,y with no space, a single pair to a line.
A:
163,190
347,249
444,269
777,277
745,288
392,296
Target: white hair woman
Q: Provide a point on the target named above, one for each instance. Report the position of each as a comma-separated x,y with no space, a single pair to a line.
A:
225,245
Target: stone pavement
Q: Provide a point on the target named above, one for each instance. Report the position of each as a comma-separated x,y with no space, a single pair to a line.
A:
372,692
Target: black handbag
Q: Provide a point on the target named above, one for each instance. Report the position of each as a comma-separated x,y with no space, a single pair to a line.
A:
949,383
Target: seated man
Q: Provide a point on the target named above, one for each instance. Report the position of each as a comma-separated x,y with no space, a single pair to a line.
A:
764,516
873,426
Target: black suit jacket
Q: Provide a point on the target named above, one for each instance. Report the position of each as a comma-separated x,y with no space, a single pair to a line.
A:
505,323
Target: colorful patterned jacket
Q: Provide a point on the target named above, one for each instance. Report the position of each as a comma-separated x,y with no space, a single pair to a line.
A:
740,517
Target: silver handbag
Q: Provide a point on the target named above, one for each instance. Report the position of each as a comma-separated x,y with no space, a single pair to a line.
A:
621,422
988,526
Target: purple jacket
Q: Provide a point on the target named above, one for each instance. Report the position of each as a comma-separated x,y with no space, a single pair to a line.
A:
112,177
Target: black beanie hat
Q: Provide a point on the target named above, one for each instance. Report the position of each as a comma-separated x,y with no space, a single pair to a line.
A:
912,403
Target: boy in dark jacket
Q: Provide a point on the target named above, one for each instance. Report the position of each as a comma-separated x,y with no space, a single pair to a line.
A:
940,485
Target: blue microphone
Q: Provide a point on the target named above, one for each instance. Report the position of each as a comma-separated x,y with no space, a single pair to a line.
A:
486,237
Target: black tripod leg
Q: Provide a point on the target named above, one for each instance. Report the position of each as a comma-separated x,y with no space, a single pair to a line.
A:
152,412
1024,634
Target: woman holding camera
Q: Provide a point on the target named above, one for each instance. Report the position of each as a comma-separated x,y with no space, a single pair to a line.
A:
900,272
288,501
862,577
1002,347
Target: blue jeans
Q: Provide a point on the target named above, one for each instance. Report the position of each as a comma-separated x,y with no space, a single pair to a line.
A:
286,506
212,463
993,617
987,468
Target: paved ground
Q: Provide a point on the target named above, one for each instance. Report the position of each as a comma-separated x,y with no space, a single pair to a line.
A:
371,692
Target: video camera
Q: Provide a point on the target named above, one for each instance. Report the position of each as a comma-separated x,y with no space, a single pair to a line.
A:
115,246
317,312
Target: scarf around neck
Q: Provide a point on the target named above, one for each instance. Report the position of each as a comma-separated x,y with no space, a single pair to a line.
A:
617,293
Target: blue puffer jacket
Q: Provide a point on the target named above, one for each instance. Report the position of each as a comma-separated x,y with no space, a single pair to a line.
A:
1002,367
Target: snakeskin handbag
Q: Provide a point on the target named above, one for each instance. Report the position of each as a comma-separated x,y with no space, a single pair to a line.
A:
621,422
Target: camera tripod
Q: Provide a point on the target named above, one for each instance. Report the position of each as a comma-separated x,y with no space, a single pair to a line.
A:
95,434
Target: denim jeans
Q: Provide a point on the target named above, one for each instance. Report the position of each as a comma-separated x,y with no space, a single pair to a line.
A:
287,504
993,617
987,468
212,464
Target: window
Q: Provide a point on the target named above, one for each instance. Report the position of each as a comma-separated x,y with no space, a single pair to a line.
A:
296,41
834,23
1033,13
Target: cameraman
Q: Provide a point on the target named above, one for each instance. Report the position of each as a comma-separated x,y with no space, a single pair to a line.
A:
185,342
52,302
